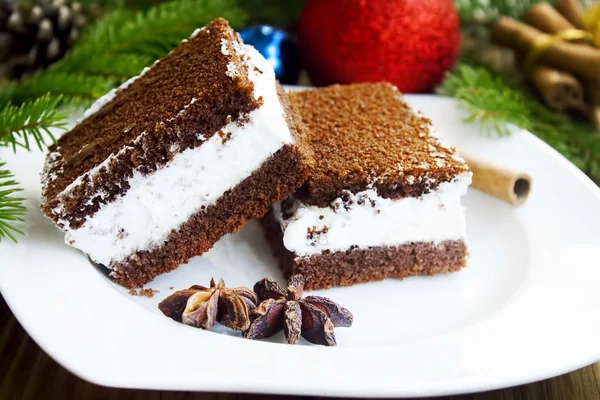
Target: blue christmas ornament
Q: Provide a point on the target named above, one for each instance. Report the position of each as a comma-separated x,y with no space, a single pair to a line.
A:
278,48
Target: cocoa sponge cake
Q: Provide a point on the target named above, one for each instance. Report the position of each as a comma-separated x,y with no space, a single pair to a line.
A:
190,150
383,199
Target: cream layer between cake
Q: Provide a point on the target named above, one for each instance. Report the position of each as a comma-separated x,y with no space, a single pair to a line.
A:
365,219
194,179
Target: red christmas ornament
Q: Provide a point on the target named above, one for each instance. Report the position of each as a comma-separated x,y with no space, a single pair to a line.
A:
410,43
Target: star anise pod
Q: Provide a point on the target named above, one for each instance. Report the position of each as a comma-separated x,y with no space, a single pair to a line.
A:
312,317
201,307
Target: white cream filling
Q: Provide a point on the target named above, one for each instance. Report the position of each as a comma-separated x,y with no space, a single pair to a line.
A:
196,178
370,220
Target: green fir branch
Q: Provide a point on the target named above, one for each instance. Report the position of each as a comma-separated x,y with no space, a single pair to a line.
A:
76,88
133,4
487,97
486,11
151,34
162,28
272,12
30,123
118,67
119,46
12,209
496,103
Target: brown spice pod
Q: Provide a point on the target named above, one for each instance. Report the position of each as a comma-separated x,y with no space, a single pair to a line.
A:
560,90
577,58
571,10
496,180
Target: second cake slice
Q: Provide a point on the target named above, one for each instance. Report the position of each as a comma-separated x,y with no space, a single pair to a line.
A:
383,199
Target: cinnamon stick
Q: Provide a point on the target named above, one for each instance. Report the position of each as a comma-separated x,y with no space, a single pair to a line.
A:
546,18
560,91
577,58
595,117
592,91
573,11
498,181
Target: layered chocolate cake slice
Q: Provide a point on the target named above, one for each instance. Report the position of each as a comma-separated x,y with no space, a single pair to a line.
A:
161,168
383,199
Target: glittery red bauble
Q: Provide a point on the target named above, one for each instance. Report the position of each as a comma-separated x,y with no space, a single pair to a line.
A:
410,43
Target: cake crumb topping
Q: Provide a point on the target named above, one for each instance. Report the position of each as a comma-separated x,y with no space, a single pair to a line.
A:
366,136
149,293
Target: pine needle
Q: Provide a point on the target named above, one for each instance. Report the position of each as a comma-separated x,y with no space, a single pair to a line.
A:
496,103
11,208
31,121
485,11
120,67
151,34
159,30
272,12
489,100
76,88
133,4
119,46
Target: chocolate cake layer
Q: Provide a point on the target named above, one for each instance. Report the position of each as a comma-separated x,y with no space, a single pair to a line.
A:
365,135
179,103
286,169
358,265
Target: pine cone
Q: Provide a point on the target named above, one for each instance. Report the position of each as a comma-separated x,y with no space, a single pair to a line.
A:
32,37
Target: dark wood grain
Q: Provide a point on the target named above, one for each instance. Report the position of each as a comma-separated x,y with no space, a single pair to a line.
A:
26,372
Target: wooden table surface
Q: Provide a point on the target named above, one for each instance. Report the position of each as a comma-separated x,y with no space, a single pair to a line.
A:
26,372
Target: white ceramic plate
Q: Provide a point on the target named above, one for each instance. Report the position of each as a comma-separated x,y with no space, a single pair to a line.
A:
526,308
